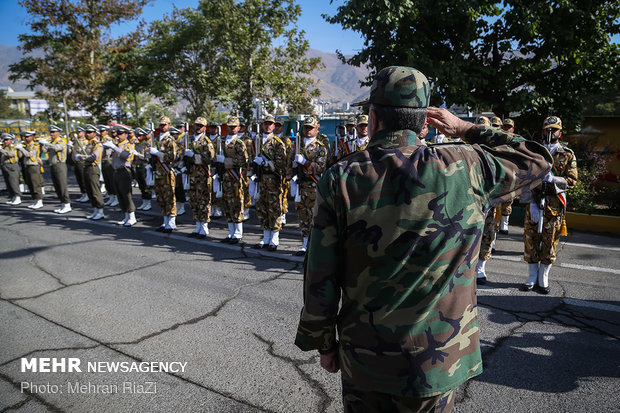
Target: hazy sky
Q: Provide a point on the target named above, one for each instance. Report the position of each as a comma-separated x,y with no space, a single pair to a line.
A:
321,35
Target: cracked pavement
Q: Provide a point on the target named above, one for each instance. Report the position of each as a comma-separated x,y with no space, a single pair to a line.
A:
76,288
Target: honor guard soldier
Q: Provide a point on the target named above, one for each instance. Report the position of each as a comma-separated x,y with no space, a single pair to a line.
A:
57,150
165,179
106,165
93,151
544,219
140,163
324,139
346,145
180,168
78,166
216,199
31,151
246,137
389,292
272,163
9,156
122,158
309,163
508,126
361,127
234,157
278,131
199,157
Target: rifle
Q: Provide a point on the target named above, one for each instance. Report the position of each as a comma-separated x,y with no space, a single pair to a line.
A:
219,167
78,144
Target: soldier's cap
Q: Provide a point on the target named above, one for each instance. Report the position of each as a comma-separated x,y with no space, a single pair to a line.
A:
509,122
179,123
232,121
174,131
213,123
278,122
269,118
54,128
496,121
122,129
200,121
242,121
350,121
90,128
362,120
164,120
311,121
399,86
7,136
553,122
26,133
140,132
483,120
101,128
79,129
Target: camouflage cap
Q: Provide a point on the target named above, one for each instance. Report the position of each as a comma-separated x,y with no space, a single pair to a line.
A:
269,118
399,86
362,120
278,122
311,122
509,122
496,121
483,120
54,128
232,121
164,120
200,121
553,122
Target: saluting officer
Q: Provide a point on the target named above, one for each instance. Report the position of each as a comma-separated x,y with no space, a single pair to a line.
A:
57,150
272,161
311,163
31,152
9,156
235,159
165,153
122,158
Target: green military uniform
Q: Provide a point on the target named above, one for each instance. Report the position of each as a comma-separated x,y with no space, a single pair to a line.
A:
92,161
122,160
140,164
106,165
413,216
31,152
9,157
165,179
57,150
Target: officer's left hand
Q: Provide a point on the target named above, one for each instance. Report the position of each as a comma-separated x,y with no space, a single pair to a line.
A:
548,178
299,158
220,158
330,362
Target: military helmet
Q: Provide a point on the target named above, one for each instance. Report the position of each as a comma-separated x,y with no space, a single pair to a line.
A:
553,122
496,121
399,86
483,120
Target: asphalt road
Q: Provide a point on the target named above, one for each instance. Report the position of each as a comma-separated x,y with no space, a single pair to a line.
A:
224,317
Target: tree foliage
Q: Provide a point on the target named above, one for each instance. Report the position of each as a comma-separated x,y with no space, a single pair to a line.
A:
73,38
6,111
510,55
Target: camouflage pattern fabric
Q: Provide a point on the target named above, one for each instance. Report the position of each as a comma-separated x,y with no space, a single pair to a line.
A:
543,247
355,400
345,146
324,139
290,153
488,235
396,234
247,172
200,182
269,204
164,176
234,181
399,86
316,161
506,208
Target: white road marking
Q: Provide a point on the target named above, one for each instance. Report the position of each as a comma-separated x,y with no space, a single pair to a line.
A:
589,268
592,304
598,247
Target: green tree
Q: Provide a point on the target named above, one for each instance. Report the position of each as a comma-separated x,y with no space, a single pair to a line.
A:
73,36
510,55
6,111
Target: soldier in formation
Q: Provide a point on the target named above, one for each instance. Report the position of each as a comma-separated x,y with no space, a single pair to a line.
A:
508,125
122,159
141,167
164,155
9,159
57,150
93,152
31,167
78,166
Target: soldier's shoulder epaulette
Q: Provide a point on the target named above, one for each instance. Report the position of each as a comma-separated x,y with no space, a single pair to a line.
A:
278,139
565,148
320,143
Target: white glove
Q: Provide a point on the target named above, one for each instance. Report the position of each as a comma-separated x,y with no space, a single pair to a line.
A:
44,142
183,170
259,160
79,157
220,158
19,146
548,178
534,212
153,150
109,144
189,152
198,159
299,158
70,144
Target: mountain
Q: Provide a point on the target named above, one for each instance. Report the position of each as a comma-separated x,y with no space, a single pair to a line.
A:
338,83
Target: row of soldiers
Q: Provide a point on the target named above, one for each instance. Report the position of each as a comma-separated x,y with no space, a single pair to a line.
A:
228,174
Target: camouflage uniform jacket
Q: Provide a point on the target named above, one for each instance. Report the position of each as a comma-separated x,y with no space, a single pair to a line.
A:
204,153
396,233
238,155
564,177
274,150
316,161
168,147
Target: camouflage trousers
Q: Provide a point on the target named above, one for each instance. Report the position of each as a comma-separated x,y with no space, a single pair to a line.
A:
542,247
286,190
269,204
488,236
200,192
164,190
307,192
247,200
233,198
507,208
361,401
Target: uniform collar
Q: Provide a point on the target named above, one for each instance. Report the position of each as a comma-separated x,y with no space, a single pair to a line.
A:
394,139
